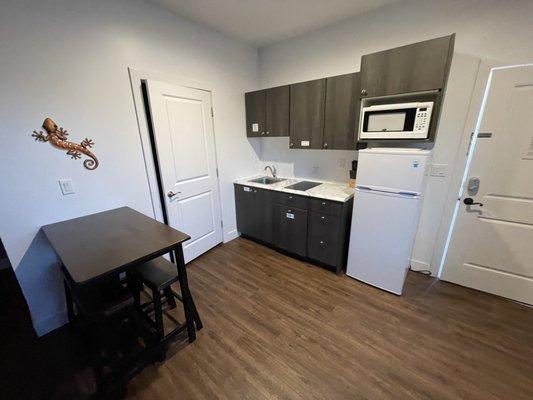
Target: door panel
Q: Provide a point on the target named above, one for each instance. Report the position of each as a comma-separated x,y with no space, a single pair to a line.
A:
255,113
342,112
307,114
413,68
291,229
491,246
277,111
185,145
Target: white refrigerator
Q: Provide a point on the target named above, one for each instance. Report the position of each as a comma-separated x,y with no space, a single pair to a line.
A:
387,204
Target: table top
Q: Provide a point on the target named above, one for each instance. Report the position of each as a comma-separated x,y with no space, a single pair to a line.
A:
109,242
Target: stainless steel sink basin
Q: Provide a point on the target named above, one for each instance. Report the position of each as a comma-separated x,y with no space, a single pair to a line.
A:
266,180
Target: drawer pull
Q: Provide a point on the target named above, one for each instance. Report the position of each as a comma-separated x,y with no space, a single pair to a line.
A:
290,197
323,218
322,242
323,203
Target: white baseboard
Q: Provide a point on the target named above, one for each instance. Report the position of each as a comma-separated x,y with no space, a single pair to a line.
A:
230,235
47,324
420,266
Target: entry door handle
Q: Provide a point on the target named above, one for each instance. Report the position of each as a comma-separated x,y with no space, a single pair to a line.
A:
171,194
469,201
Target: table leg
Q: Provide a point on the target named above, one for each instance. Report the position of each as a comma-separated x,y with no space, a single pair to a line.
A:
191,314
69,301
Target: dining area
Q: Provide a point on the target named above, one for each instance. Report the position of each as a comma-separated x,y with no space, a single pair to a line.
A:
126,291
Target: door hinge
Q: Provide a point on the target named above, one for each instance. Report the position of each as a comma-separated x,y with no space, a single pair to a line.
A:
221,224
212,113
217,172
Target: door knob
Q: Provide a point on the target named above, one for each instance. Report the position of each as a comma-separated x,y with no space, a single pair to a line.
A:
470,202
171,194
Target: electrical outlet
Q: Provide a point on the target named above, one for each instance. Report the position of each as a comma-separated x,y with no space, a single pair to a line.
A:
66,186
438,170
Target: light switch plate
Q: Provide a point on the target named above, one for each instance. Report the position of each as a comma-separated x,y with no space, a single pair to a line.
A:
438,170
66,186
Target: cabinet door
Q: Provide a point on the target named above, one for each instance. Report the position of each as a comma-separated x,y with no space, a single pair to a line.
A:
413,68
264,215
245,210
307,114
291,229
342,112
277,111
255,113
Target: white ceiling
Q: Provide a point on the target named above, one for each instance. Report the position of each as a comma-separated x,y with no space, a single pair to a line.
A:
264,22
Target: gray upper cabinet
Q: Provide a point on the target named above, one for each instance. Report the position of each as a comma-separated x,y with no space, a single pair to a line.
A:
277,111
416,67
267,112
307,106
342,112
255,113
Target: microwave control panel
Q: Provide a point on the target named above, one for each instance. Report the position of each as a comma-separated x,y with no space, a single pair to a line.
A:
422,119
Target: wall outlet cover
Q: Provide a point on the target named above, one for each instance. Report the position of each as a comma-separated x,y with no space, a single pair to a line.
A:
66,186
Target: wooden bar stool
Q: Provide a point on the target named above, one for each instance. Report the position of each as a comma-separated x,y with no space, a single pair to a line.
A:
158,275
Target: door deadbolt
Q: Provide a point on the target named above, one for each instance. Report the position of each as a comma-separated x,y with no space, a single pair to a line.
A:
473,186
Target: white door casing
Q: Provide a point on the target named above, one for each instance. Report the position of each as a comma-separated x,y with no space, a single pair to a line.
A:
491,247
185,144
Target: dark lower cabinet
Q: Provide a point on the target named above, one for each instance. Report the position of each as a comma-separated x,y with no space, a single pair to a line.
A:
309,227
290,229
255,212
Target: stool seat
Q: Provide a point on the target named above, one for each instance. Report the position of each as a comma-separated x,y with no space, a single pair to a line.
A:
158,273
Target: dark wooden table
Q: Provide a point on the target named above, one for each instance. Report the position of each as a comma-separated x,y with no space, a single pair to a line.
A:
102,245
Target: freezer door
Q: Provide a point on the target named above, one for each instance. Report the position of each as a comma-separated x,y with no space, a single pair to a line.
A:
381,239
393,170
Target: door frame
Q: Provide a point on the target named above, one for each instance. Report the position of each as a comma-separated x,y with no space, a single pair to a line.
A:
462,165
136,78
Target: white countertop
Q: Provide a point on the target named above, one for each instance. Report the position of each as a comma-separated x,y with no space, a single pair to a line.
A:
326,190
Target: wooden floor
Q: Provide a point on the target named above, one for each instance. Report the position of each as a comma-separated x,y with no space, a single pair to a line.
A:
275,327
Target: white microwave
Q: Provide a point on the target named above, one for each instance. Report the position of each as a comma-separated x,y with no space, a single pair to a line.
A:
396,121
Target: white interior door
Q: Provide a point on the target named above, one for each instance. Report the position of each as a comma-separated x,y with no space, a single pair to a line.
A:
491,247
185,145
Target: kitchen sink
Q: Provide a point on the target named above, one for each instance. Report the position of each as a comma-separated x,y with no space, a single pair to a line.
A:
266,180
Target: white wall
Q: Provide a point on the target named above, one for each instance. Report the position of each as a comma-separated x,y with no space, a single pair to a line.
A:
68,60
491,29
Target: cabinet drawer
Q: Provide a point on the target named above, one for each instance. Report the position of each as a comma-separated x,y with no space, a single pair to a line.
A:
325,227
325,206
322,250
293,200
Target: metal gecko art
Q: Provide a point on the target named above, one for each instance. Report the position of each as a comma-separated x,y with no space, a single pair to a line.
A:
58,138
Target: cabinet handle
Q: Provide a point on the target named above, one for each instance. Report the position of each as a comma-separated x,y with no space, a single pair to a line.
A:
321,242
268,132
290,197
325,145
262,133
323,203
323,218
291,144
289,211
364,92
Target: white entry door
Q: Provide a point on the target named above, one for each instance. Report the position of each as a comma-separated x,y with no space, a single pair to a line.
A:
185,145
491,247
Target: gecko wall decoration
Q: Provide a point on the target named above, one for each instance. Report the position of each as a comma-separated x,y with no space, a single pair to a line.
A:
57,137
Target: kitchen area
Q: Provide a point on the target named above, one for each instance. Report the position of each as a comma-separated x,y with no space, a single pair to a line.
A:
382,122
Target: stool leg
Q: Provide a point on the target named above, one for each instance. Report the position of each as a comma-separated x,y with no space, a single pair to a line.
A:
170,298
158,311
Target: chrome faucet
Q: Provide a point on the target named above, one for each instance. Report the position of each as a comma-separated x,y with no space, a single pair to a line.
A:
272,170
